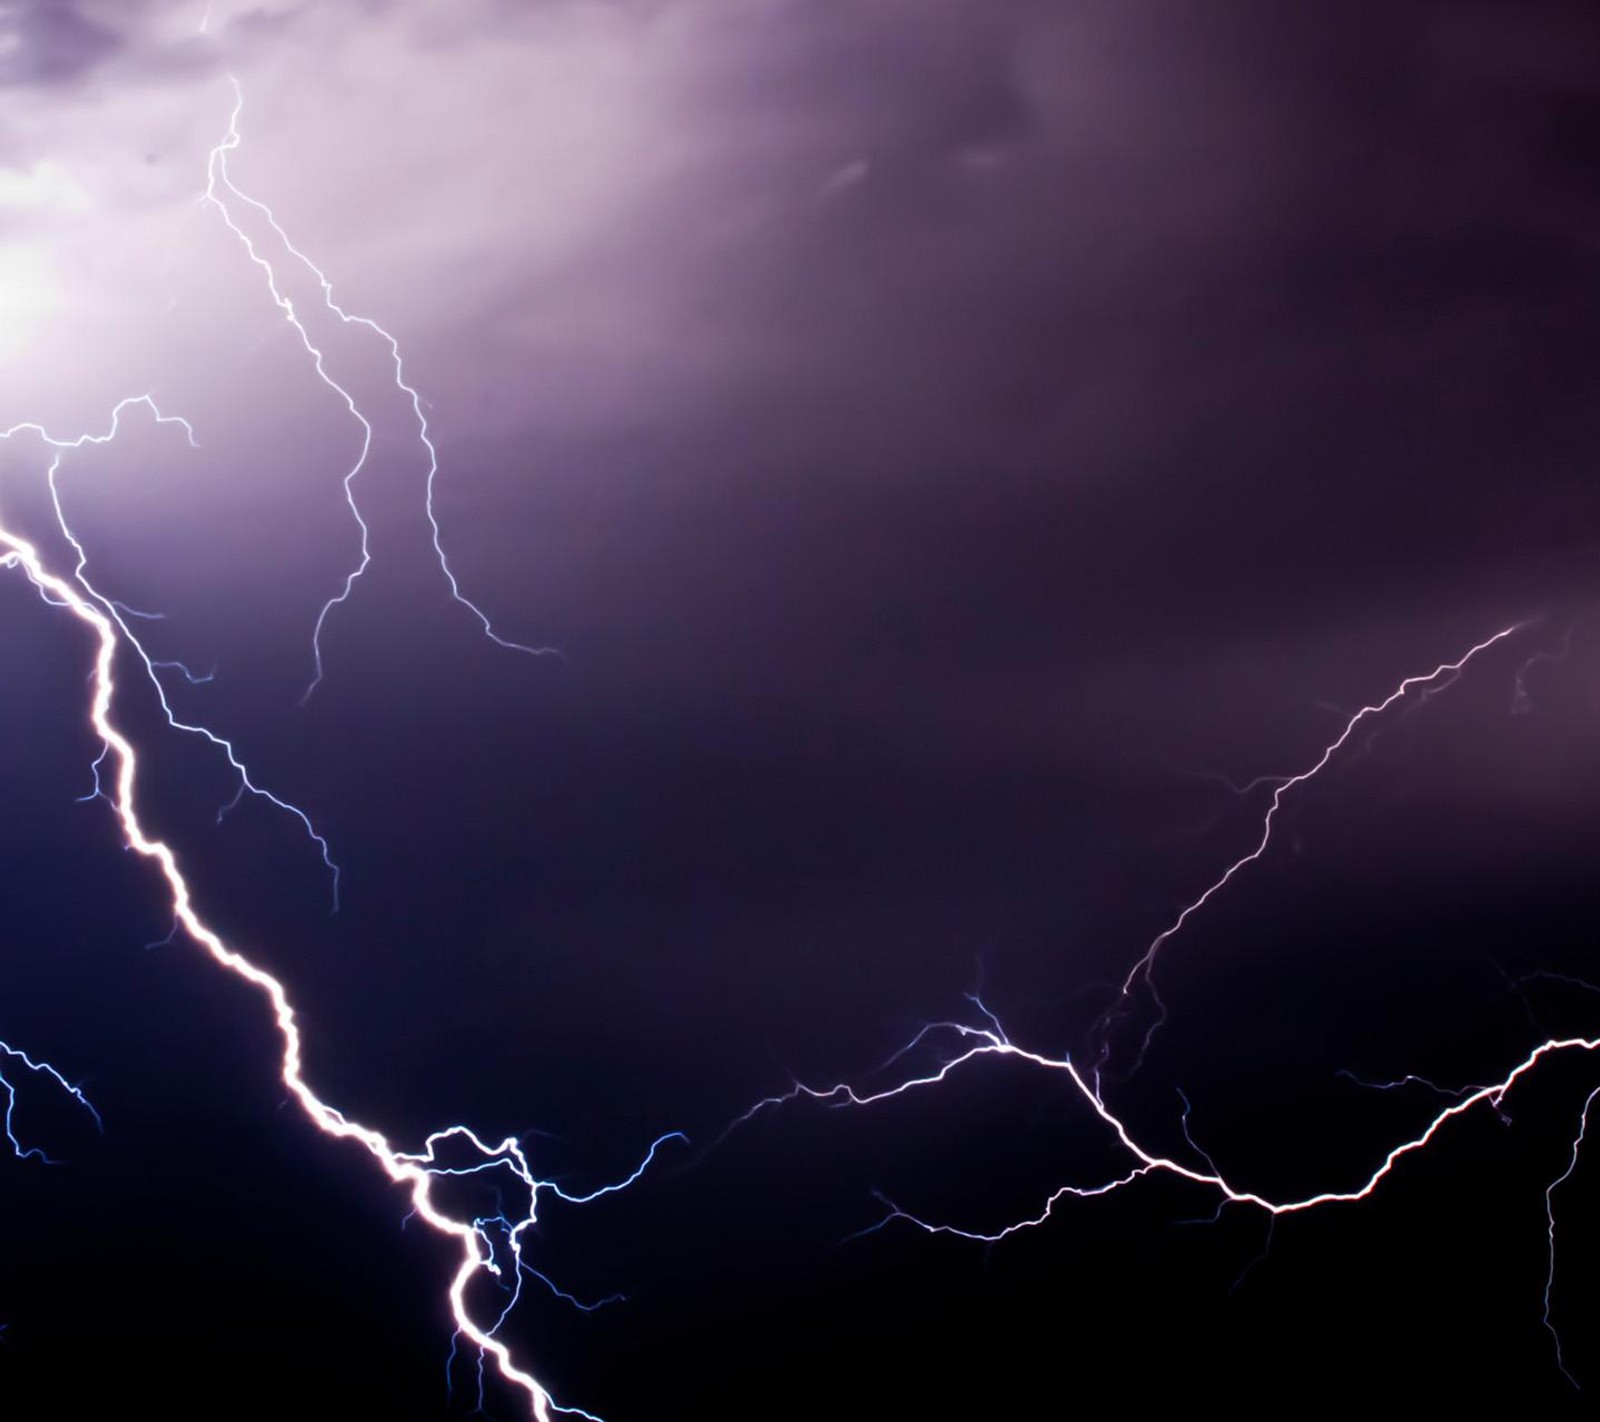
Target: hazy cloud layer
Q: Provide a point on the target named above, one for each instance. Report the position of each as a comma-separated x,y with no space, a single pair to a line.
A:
1120,329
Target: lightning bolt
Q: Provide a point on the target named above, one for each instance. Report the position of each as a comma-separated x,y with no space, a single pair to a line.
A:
8,1089
417,1171
959,1044
974,1043
489,1246
220,188
1141,974
1550,1220
119,612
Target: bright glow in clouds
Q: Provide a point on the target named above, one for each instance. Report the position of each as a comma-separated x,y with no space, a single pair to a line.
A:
416,1170
44,188
27,299
490,1247
102,177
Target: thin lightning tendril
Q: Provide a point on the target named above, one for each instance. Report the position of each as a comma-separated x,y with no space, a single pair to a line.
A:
119,613
8,1089
1550,1220
1143,970
218,183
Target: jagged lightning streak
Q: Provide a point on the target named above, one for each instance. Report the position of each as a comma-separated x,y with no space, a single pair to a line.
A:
8,1089
499,1225
417,1171
1410,1079
119,613
485,1241
1550,1221
969,1042
219,184
1141,974
992,1042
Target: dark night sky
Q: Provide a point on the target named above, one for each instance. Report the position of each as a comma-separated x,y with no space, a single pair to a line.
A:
944,439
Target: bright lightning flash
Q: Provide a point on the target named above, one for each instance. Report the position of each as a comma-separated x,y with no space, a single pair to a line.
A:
418,1171
490,1247
968,1042
120,613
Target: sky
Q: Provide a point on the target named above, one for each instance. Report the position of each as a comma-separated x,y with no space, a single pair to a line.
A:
948,448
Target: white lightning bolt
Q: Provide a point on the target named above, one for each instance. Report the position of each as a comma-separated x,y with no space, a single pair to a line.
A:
484,1242
219,187
416,1170
968,1043
1550,1220
986,1042
119,613
9,1090
1141,973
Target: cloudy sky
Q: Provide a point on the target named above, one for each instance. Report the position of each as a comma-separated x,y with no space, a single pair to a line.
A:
946,442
